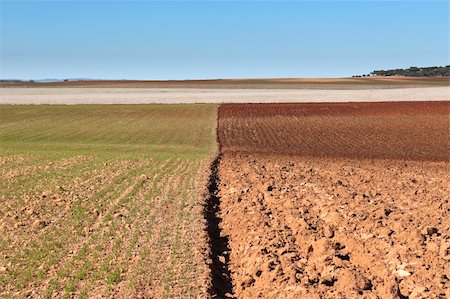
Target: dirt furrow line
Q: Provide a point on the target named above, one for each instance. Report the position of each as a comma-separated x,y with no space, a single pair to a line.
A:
156,243
170,277
143,263
143,202
56,219
70,225
143,223
100,228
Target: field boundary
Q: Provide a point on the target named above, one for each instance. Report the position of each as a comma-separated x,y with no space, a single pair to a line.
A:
221,282
219,250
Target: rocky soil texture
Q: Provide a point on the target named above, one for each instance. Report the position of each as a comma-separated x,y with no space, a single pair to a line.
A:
338,216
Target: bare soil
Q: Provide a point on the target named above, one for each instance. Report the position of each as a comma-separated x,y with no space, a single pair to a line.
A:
336,201
405,130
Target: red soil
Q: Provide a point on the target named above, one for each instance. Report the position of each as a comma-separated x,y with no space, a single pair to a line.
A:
336,200
405,130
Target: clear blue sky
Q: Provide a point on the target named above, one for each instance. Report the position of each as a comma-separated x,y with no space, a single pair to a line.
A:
212,39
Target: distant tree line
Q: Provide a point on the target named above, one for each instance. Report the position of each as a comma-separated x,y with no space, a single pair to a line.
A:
414,71
15,81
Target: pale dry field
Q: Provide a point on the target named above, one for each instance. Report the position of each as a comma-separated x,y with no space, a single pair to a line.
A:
44,95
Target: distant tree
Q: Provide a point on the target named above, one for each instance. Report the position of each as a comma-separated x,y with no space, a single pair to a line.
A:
414,71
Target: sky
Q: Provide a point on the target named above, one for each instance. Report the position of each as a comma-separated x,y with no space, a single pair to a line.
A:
218,39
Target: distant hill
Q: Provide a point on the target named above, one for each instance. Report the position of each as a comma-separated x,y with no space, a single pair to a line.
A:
431,71
43,80
12,81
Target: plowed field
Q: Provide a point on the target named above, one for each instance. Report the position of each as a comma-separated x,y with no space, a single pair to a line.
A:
104,201
336,200
412,130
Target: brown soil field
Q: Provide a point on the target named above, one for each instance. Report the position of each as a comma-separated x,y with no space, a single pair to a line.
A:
410,130
336,200
266,83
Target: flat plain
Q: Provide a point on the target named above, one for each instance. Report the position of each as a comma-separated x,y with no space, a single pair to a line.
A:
343,196
104,201
288,90
255,83
128,95
336,200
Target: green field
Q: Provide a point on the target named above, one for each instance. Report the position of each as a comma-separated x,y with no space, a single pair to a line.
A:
104,200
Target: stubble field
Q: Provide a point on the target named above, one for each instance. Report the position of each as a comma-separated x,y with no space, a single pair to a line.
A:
336,200
104,201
